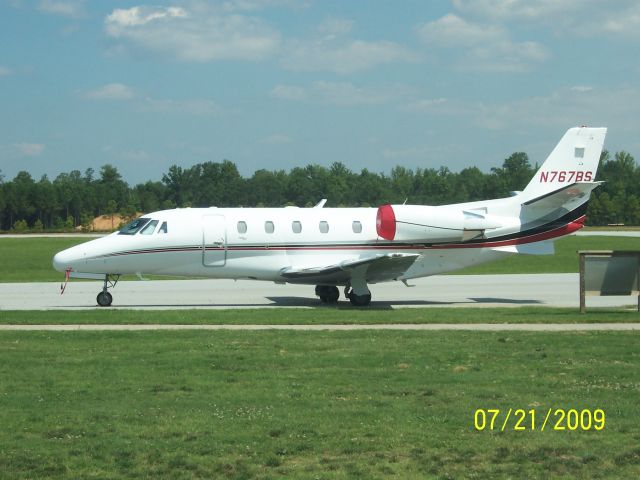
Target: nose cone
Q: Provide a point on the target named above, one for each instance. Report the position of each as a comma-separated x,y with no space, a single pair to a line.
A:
69,258
61,261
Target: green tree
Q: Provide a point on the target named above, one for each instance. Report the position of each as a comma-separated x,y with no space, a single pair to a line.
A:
266,188
111,188
339,188
112,209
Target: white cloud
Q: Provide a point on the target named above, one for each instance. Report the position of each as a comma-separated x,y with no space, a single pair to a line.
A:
332,50
338,93
485,47
350,57
252,5
520,9
566,107
141,15
577,17
277,139
65,8
621,22
111,91
453,31
201,35
581,88
136,156
425,105
334,27
5,72
29,149
430,154
191,106
289,92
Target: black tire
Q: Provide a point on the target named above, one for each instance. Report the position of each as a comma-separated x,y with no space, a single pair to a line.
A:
327,294
104,299
332,294
360,300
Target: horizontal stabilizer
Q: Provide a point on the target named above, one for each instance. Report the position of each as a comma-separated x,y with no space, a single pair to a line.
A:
568,197
535,248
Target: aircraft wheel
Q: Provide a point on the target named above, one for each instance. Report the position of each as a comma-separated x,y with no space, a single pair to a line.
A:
360,300
104,299
327,294
332,294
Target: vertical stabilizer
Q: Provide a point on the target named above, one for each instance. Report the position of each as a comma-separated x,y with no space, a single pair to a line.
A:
575,159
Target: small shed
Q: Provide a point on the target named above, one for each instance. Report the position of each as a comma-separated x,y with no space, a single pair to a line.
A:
609,273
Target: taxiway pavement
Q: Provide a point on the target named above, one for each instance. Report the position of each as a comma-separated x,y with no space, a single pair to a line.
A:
553,290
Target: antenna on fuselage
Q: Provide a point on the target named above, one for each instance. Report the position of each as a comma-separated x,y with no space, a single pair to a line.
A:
321,203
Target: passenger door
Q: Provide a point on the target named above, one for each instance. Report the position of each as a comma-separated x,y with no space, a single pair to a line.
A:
214,241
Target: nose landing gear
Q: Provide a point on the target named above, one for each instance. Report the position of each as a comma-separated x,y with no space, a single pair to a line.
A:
104,298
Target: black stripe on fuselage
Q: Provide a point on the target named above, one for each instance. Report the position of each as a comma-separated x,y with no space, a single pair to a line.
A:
539,229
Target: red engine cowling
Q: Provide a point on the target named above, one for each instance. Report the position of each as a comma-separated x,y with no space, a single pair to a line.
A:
424,223
386,222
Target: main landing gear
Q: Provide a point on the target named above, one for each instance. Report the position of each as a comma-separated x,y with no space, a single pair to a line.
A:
358,296
357,300
357,290
104,298
327,293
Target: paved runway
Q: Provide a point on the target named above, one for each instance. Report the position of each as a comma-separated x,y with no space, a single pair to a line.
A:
557,290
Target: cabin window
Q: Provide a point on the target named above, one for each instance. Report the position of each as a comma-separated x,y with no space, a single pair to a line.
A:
242,227
356,226
269,227
296,226
149,228
324,226
163,228
133,227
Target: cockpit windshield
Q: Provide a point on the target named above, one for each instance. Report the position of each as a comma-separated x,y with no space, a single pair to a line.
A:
134,227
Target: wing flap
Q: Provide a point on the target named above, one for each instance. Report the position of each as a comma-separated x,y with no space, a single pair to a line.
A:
379,268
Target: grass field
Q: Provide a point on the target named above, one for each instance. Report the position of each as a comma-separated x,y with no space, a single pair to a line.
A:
312,405
29,259
565,260
343,315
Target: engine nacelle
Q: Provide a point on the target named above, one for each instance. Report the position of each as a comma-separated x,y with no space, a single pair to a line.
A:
423,223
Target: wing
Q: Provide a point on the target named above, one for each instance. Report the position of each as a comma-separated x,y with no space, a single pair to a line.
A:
380,268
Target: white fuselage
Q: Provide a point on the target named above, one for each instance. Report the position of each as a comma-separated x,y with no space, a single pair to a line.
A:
258,243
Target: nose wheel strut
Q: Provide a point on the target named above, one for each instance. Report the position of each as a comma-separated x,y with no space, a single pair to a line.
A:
104,298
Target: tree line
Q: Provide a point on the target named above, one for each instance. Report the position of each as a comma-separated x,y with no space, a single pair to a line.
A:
73,199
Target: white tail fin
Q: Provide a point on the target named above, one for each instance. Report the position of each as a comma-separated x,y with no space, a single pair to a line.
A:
575,159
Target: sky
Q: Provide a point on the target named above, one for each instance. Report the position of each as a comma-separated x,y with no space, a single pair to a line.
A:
277,84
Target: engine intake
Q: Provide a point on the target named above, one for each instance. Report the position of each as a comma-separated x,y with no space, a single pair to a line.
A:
425,223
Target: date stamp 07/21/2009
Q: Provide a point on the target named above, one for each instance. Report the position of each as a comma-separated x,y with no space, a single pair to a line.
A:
556,419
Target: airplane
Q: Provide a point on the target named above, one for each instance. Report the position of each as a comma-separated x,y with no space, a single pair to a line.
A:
349,247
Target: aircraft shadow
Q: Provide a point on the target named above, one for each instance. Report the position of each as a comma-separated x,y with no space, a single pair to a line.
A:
289,301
